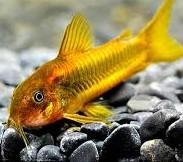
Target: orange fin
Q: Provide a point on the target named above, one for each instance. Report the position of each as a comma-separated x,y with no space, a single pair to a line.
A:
77,36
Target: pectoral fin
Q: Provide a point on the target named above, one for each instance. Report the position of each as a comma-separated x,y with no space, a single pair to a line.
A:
97,110
82,119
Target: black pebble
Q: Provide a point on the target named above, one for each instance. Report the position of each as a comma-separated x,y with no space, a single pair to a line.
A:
28,154
71,141
87,152
46,139
123,142
95,130
113,126
157,150
124,118
121,94
51,153
174,134
155,126
99,145
11,145
179,155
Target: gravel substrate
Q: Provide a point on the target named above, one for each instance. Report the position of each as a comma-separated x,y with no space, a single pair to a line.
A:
147,124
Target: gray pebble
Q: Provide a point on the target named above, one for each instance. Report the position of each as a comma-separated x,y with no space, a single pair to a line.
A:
11,75
34,57
71,141
142,103
172,81
142,116
159,90
164,104
124,118
51,153
87,152
156,150
7,56
5,95
3,114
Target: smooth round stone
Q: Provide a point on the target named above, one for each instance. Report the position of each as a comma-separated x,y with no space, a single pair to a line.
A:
157,150
87,152
34,57
51,153
164,104
152,73
3,114
5,94
121,94
123,142
155,126
28,154
71,141
35,143
11,145
7,56
174,134
142,103
124,118
160,91
10,75
142,116
95,130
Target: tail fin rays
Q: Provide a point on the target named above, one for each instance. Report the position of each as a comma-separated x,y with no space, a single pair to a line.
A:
162,46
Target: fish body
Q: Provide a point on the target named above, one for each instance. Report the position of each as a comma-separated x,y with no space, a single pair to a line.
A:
81,72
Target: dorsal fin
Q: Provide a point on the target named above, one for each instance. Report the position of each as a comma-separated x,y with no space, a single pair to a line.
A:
77,36
127,33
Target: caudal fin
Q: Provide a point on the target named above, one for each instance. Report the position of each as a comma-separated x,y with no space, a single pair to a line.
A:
162,47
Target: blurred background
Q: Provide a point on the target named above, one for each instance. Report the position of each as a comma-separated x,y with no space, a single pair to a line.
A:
29,23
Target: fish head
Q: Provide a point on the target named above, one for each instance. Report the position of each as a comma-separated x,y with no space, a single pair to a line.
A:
35,103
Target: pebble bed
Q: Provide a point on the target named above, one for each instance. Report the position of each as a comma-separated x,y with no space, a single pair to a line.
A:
147,124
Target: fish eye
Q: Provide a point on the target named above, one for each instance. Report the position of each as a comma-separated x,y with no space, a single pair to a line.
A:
38,96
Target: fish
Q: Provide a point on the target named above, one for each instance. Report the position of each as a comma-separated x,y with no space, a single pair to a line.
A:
67,86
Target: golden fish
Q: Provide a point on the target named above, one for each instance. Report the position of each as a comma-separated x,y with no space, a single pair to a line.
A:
81,72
